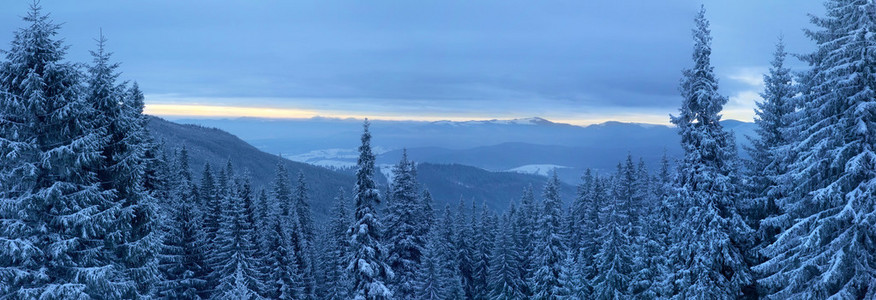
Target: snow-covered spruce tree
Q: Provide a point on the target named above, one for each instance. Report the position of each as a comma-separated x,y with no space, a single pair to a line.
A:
263,233
454,285
182,258
648,262
594,197
302,207
524,232
235,269
367,267
429,282
614,259
302,259
577,213
504,277
827,251
403,228
484,236
665,214
709,235
53,211
463,248
550,248
135,238
572,282
767,160
283,277
337,252
281,192
626,189
437,277
209,203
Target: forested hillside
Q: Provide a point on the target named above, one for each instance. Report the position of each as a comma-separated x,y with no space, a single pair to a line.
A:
93,206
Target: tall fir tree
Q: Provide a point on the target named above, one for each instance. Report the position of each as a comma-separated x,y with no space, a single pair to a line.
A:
594,199
444,248
283,276
429,284
281,191
182,256
367,267
767,162
302,258
578,213
826,248
135,238
338,250
550,248
710,234
463,247
483,239
403,228
235,269
524,234
614,259
504,277
209,203
302,207
54,213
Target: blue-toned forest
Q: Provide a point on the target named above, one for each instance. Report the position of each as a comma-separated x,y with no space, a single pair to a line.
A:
93,206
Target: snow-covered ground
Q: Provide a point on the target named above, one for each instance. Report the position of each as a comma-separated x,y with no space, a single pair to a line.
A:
537,169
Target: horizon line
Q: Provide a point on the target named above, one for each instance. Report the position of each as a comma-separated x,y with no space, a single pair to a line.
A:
197,111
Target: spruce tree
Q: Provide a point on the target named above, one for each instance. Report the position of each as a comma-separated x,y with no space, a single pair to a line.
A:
768,161
453,284
235,269
302,207
708,238
338,282
209,203
504,276
367,266
614,259
524,223
135,239
403,228
55,215
550,248
594,197
826,248
183,262
463,248
483,238
578,213
281,192
282,272
429,284
302,259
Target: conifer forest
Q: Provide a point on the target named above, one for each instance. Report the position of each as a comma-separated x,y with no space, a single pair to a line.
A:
93,206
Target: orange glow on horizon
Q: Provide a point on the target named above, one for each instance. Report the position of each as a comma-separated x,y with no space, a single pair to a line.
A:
200,111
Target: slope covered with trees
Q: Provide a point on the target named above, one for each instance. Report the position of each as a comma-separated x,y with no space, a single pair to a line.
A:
93,207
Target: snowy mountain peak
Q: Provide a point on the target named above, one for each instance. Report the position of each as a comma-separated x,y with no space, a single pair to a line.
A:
519,121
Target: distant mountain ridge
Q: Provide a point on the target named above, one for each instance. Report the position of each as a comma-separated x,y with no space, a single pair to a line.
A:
448,183
496,145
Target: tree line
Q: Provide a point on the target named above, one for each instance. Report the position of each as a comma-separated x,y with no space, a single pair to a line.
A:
92,207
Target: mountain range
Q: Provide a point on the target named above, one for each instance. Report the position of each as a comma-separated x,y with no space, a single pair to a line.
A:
532,145
448,183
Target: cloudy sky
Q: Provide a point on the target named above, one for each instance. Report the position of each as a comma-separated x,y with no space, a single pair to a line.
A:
572,61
